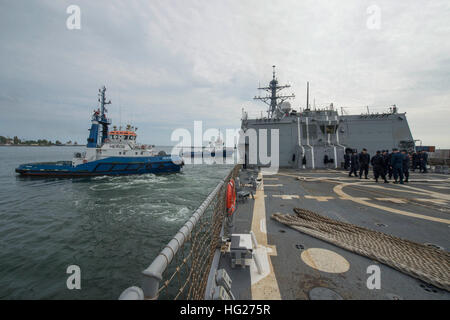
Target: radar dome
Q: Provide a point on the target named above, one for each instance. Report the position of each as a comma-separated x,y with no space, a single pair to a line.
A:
285,106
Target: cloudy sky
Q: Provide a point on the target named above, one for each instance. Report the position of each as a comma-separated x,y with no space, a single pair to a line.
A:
168,63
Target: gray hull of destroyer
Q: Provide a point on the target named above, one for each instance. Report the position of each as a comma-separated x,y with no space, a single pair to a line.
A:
376,132
309,138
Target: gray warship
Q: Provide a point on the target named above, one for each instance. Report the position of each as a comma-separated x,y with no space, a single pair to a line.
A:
318,234
318,138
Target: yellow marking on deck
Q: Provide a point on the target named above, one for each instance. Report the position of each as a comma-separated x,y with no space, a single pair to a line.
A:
338,190
440,187
265,288
394,200
315,178
438,201
358,198
433,194
319,198
325,260
273,185
286,196
408,190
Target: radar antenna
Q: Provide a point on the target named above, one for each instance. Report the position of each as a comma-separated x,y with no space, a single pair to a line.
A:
102,100
274,100
103,120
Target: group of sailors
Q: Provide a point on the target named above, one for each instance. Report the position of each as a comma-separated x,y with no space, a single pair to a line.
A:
386,165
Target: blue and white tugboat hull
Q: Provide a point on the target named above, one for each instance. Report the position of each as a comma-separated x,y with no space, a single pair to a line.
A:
110,166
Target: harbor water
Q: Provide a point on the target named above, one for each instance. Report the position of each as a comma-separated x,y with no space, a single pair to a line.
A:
111,227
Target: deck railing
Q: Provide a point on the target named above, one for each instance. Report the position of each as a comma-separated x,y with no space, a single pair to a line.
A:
181,270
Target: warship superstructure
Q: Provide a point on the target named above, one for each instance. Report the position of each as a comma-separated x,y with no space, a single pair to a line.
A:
318,138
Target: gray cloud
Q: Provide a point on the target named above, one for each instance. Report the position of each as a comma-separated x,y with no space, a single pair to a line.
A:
167,63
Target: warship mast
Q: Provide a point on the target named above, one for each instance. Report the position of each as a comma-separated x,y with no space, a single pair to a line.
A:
274,100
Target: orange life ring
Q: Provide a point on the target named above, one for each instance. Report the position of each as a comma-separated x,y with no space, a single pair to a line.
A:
231,197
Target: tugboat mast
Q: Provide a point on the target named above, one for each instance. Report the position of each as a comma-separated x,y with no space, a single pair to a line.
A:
99,118
103,120
274,100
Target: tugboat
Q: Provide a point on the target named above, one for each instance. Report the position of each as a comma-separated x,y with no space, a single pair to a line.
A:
107,153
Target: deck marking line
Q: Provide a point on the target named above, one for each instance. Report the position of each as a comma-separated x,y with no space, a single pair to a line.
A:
325,260
394,200
338,190
286,196
438,201
413,190
265,286
319,198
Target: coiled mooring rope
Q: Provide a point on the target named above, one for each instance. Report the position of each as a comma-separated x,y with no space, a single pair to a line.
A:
420,261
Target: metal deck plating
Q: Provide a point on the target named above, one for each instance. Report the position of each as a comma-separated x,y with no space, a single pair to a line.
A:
295,265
